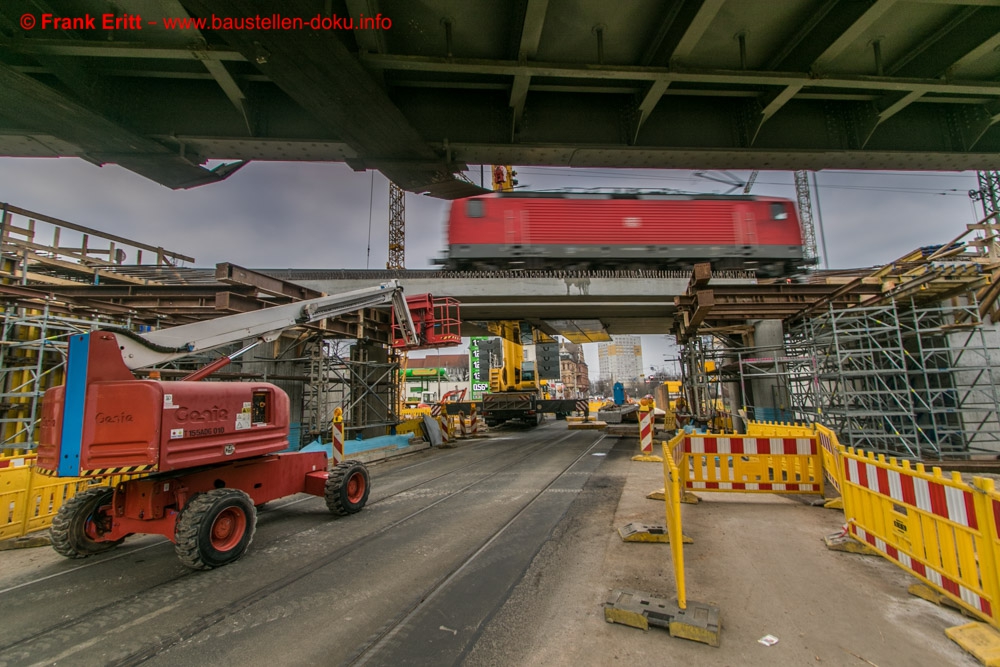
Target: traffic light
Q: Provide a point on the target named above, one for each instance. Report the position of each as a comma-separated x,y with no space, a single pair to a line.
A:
503,178
511,181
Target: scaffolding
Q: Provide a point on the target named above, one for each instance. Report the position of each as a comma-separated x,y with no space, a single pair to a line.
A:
362,379
900,377
35,343
58,279
903,378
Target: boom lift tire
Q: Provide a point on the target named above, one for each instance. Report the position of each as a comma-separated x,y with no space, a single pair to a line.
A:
79,522
347,488
215,528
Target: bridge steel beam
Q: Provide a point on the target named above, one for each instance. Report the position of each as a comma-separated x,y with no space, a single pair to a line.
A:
327,80
33,104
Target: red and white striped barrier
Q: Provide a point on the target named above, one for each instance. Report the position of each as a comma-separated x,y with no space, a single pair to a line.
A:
947,502
338,436
646,431
473,422
771,465
934,526
752,446
461,423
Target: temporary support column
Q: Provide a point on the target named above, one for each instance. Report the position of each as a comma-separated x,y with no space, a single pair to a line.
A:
771,400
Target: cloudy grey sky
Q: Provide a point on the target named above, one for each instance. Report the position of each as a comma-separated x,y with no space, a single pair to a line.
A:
310,215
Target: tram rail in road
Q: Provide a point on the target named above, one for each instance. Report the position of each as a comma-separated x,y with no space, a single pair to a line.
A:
445,538
498,552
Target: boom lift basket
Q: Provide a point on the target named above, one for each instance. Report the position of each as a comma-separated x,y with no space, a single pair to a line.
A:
436,320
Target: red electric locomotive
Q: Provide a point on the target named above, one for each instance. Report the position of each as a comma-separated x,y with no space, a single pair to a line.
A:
530,230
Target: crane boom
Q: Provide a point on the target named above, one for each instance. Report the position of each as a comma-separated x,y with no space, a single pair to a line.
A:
806,213
156,347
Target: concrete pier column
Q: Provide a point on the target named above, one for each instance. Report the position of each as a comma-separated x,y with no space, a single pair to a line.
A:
769,391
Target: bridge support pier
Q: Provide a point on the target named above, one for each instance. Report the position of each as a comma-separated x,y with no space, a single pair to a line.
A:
769,393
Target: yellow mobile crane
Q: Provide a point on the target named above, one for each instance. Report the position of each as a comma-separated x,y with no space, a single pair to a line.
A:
514,393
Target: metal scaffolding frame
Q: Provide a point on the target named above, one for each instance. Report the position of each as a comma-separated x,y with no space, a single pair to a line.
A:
700,359
34,345
901,377
366,389
81,282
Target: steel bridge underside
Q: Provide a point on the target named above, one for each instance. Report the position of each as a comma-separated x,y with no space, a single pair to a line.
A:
797,84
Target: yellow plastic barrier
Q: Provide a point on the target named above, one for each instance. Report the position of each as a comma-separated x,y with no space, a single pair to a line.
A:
409,426
768,429
414,413
751,464
670,420
673,483
942,530
988,506
829,446
29,500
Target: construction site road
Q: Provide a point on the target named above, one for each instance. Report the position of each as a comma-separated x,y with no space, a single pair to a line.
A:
500,551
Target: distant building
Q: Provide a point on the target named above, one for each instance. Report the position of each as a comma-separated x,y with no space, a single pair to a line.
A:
620,360
456,365
424,382
573,371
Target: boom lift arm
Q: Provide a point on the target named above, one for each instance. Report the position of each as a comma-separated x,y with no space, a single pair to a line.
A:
157,347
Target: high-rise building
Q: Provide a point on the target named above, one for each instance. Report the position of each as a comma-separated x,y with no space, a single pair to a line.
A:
621,359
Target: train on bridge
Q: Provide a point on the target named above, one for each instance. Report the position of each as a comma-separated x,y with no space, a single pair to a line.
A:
583,230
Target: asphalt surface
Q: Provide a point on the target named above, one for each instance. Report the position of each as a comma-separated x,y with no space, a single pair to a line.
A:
497,552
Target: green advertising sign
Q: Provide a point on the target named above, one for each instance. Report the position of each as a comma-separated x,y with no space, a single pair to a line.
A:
479,368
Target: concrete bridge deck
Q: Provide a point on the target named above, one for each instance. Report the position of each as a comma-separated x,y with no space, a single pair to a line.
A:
625,302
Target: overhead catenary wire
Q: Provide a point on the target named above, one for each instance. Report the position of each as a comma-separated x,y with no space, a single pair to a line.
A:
618,175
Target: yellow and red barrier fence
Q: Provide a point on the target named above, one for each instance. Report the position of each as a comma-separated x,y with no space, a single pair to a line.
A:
673,490
940,529
750,464
29,500
778,429
831,456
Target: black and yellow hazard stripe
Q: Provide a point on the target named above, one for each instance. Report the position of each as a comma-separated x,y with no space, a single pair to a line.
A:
121,470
